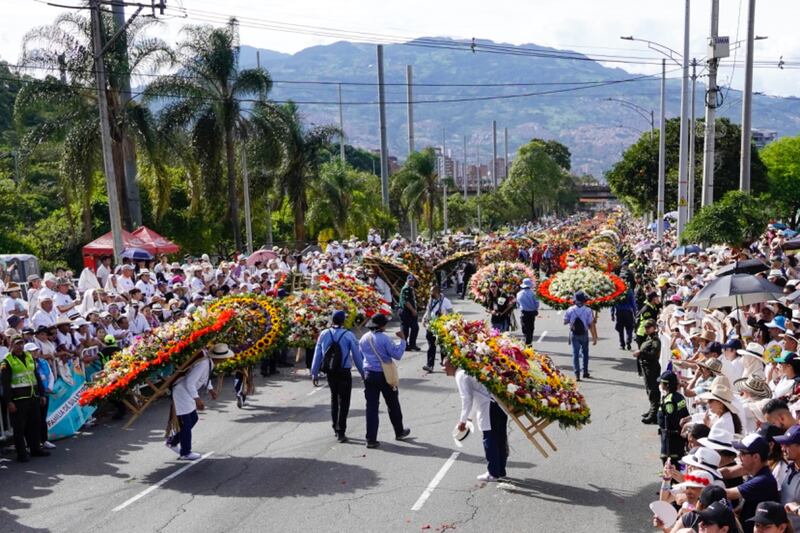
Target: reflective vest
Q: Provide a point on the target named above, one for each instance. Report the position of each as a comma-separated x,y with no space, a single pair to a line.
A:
23,376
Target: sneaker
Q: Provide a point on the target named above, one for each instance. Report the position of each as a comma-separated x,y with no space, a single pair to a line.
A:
175,448
577,377
403,434
373,444
48,445
192,456
586,375
427,369
628,346
342,438
486,477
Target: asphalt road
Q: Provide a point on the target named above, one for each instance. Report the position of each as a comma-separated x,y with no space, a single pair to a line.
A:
275,466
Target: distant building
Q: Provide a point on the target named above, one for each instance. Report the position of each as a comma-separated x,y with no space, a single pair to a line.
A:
761,138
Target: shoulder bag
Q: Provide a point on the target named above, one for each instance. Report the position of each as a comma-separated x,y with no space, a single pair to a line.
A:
389,369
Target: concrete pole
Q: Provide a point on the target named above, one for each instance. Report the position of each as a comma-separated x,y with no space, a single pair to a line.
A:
444,182
494,154
747,101
382,126
341,126
248,223
711,111
683,155
267,203
505,151
105,132
661,156
410,108
691,169
464,168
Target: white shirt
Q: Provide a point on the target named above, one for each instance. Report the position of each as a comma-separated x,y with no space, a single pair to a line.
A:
197,285
60,300
186,388
732,370
43,318
148,289
102,274
138,324
473,394
124,284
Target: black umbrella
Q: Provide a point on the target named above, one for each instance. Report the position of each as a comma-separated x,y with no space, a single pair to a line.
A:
748,266
793,244
736,290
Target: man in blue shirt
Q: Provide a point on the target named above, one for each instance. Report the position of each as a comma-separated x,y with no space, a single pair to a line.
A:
581,322
529,306
340,380
624,313
377,347
761,487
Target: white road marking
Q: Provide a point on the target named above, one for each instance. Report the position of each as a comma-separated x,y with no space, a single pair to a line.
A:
435,481
159,484
315,390
542,336
560,312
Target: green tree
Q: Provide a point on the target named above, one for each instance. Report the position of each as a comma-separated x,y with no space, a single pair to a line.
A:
782,159
534,180
205,96
557,151
419,182
737,220
634,179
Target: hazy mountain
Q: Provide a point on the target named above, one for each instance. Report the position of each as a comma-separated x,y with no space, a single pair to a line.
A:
595,129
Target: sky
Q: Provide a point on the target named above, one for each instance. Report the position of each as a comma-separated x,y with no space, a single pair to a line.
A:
587,26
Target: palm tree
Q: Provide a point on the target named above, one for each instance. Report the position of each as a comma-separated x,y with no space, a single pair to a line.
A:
336,197
205,96
66,111
418,182
302,165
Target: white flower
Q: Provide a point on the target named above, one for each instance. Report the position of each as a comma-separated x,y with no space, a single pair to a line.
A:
511,388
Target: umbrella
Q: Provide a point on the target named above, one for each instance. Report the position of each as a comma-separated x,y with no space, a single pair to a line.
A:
672,214
793,244
779,225
748,266
686,250
789,299
261,255
736,290
310,249
136,254
789,233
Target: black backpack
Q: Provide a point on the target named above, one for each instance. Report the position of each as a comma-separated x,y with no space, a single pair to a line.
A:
333,359
578,327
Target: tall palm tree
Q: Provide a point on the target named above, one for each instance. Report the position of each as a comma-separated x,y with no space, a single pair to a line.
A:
418,182
336,196
205,96
302,165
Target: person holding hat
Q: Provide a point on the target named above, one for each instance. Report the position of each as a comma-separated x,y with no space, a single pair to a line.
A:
438,305
580,319
761,486
378,350
408,312
337,347
647,357
23,395
529,309
186,399
670,413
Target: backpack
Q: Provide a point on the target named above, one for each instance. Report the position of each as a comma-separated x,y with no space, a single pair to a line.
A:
578,327
333,359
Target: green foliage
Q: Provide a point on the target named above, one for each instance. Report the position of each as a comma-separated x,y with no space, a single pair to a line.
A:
737,220
535,180
782,158
557,151
418,184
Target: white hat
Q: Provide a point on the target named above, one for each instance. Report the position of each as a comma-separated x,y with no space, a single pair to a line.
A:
220,351
49,276
699,479
30,347
705,459
718,439
753,349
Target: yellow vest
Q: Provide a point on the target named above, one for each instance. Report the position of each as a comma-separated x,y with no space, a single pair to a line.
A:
23,377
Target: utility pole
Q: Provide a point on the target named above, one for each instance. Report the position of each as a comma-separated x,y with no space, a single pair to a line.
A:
711,110
105,131
505,147
464,168
382,125
691,169
248,224
444,180
268,206
662,143
341,127
684,140
410,108
478,174
747,101
494,153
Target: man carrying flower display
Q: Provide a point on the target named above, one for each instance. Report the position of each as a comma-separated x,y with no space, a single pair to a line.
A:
581,323
340,379
500,306
408,313
438,305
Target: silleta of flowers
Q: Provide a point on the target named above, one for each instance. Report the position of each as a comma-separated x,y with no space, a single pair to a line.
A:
310,313
519,377
260,329
602,288
503,250
172,344
506,274
367,299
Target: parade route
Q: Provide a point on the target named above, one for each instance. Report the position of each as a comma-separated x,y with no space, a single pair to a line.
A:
275,464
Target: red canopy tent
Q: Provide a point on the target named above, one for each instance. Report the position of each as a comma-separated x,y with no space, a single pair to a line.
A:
155,243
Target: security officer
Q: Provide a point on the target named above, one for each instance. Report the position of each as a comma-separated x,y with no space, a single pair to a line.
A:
648,356
673,409
648,311
23,393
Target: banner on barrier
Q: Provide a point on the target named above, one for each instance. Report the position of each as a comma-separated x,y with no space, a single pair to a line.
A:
65,415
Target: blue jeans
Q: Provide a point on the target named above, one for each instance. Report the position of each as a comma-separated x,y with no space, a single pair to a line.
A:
184,436
495,441
580,343
374,386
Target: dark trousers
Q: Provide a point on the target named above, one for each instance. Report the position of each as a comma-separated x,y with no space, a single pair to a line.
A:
651,372
410,326
528,320
44,437
26,423
431,338
374,386
495,441
341,385
184,436
309,357
624,327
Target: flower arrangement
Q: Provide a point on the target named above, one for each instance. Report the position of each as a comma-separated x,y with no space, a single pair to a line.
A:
309,313
515,374
367,299
503,250
602,288
506,274
259,329
171,345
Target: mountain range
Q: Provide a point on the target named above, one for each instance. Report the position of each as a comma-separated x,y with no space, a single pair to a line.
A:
458,93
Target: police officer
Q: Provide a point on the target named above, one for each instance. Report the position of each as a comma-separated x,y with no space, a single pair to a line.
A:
673,409
648,356
649,311
408,313
23,393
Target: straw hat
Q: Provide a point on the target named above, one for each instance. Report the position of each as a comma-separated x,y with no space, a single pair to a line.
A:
755,385
721,393
220,351
753,349
712,365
